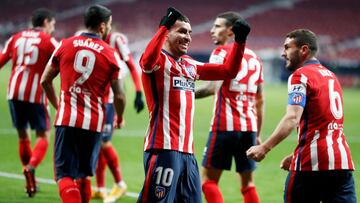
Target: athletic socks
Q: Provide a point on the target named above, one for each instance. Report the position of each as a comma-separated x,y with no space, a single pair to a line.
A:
100,170
211,192
84,186
69,191
112,160
250,195
39,152
25,151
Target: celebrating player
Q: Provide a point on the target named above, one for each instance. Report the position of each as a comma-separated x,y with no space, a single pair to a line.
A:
86,65
237,116
321,165
169,84
30,50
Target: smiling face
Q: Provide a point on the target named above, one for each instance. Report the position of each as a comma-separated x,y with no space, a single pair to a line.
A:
220,33
178,39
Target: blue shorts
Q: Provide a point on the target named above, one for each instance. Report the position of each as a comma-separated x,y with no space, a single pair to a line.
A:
221,147
336,186
25,113
171,176
106,135
76,152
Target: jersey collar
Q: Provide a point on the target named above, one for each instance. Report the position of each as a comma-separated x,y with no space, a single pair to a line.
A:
172,56
311,62
91,35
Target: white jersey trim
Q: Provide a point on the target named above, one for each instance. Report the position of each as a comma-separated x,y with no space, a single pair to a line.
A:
330,150
23,83
61,109
73,109
229,115
101,116
166,119
87,113
34,87
313,151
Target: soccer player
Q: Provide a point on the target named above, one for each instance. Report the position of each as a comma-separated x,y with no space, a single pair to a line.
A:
108,155
169,83
86,65
29,51
237,116
320,169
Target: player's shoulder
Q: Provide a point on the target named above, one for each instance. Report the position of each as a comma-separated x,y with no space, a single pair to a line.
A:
191,60
117,36
221,51
250,52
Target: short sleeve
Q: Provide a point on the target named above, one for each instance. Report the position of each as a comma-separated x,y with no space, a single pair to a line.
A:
297,89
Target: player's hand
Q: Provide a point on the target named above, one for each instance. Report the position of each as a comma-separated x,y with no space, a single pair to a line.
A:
257,152
118,123
258,140
172,14
286,162
241,30
138,103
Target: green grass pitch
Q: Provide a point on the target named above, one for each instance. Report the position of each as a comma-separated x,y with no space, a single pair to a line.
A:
269,178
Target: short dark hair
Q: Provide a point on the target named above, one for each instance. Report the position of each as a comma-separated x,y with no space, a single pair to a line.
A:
39,15
230,16
304,37
183,18
95,15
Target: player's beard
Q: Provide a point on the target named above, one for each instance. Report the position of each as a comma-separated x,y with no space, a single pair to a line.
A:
293,62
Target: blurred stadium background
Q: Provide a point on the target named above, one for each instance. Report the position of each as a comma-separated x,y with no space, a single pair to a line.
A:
336,22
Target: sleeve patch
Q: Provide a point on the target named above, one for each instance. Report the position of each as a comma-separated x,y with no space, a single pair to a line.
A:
297,98
297,88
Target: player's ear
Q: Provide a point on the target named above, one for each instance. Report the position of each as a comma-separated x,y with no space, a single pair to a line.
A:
305,49
102,28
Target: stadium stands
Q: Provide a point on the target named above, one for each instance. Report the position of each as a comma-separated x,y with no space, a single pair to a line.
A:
335,21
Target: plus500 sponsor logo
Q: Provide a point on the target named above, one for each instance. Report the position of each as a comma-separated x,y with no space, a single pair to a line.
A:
183,84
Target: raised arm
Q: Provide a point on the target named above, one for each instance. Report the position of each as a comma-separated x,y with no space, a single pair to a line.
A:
152,52
231,67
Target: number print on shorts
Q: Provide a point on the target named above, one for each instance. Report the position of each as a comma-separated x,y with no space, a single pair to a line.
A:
164,176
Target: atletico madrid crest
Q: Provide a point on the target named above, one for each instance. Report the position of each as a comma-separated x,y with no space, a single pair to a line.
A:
297,98
160,192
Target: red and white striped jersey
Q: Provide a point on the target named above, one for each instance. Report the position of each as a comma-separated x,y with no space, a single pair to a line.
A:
169,86
30,50
321,140
120,43
234,107
87,65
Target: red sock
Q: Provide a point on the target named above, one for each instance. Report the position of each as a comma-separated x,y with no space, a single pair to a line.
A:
84,186
100,170
211,192
113,162
69,192
25,151
39,152
250,195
